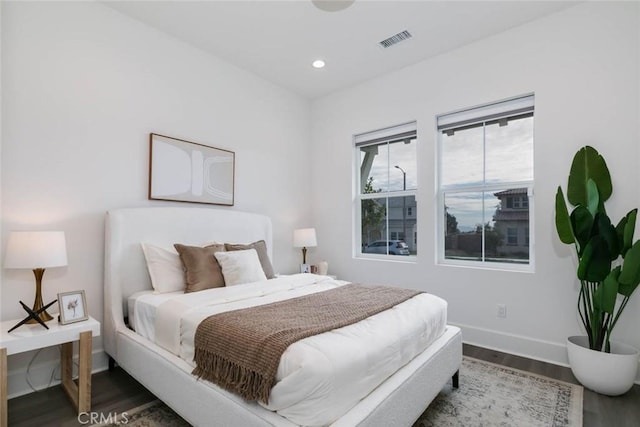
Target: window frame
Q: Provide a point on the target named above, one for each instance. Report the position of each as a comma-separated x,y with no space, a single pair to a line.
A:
486,113
383,136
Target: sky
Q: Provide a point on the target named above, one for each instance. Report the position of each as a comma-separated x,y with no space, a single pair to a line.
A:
508,153
384,171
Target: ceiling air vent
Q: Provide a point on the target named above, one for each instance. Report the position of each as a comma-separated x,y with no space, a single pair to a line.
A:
402,36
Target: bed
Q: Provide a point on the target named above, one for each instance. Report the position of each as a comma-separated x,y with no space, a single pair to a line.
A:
398,400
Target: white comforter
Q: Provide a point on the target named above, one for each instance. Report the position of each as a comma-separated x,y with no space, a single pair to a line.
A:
323,376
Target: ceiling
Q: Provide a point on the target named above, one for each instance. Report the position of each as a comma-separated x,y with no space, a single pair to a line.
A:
278,40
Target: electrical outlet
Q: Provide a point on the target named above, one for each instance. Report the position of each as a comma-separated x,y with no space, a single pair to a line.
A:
502,310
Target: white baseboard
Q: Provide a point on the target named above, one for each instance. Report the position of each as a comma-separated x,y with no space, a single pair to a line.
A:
41,370
518,345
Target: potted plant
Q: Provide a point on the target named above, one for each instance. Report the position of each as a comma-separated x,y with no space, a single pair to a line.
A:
608,270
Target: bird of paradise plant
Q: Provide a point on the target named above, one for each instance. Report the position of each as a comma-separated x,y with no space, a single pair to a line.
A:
608,259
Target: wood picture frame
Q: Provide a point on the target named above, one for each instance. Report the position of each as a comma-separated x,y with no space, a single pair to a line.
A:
73,307
184,171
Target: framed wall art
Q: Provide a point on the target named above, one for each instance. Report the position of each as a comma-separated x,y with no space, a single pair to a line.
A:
184,171
73,307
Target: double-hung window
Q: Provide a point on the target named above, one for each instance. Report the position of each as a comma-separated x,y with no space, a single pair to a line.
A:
386,183
485,185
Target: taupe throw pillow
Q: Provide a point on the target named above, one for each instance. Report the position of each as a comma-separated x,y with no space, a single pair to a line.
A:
201,267
261,248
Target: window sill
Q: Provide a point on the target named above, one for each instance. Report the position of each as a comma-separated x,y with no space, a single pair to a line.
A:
399,259
492,266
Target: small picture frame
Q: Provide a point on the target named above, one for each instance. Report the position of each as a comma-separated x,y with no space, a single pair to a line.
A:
73,307
305,268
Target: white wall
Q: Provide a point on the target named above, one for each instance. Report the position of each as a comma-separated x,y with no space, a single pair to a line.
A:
83,88
583,65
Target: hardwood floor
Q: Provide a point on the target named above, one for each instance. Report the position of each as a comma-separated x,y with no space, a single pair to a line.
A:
112,391
116,391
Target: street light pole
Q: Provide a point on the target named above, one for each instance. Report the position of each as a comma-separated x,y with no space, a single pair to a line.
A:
404,203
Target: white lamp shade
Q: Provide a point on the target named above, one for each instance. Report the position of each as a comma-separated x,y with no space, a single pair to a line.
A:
304,237
36,249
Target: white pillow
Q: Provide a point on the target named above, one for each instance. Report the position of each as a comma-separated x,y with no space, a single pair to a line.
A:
240,267
165,268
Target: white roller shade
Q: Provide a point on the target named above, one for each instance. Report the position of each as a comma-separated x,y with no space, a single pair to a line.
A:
406,130
512,107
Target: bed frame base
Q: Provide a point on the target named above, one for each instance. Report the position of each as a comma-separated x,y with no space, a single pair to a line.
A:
399,401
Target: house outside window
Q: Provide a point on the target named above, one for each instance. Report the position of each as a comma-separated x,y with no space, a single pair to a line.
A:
385,202
485,185
512,236
513,220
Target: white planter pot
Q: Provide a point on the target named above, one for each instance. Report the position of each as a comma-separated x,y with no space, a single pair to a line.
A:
612,373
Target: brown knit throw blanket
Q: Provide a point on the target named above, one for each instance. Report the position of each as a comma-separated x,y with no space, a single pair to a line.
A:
240,350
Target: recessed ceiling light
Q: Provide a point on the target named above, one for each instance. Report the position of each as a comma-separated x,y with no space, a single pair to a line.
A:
318,63
332,5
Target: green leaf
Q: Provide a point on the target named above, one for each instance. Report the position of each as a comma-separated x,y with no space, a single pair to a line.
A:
563,223
602,226
620,232
593,198
629,229
588,164
626,290
605,296
595,262
630,275
581,223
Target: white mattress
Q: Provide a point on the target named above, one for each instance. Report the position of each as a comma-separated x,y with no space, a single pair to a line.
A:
320,377
142,308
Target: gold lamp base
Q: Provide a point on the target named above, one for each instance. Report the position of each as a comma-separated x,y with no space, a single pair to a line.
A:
37,303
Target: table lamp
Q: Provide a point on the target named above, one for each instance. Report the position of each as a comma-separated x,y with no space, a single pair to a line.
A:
304,238
36,250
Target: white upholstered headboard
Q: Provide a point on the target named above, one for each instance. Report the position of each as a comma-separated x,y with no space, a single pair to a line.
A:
125,270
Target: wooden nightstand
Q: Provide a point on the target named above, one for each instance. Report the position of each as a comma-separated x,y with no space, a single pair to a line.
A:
33,337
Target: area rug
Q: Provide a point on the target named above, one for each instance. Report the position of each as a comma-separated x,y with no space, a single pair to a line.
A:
489,395
495,395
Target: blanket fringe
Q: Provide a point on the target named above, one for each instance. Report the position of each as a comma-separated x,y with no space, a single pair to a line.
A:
248,383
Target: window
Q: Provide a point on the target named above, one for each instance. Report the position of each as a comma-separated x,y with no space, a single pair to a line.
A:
517,202
386,173
485,185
